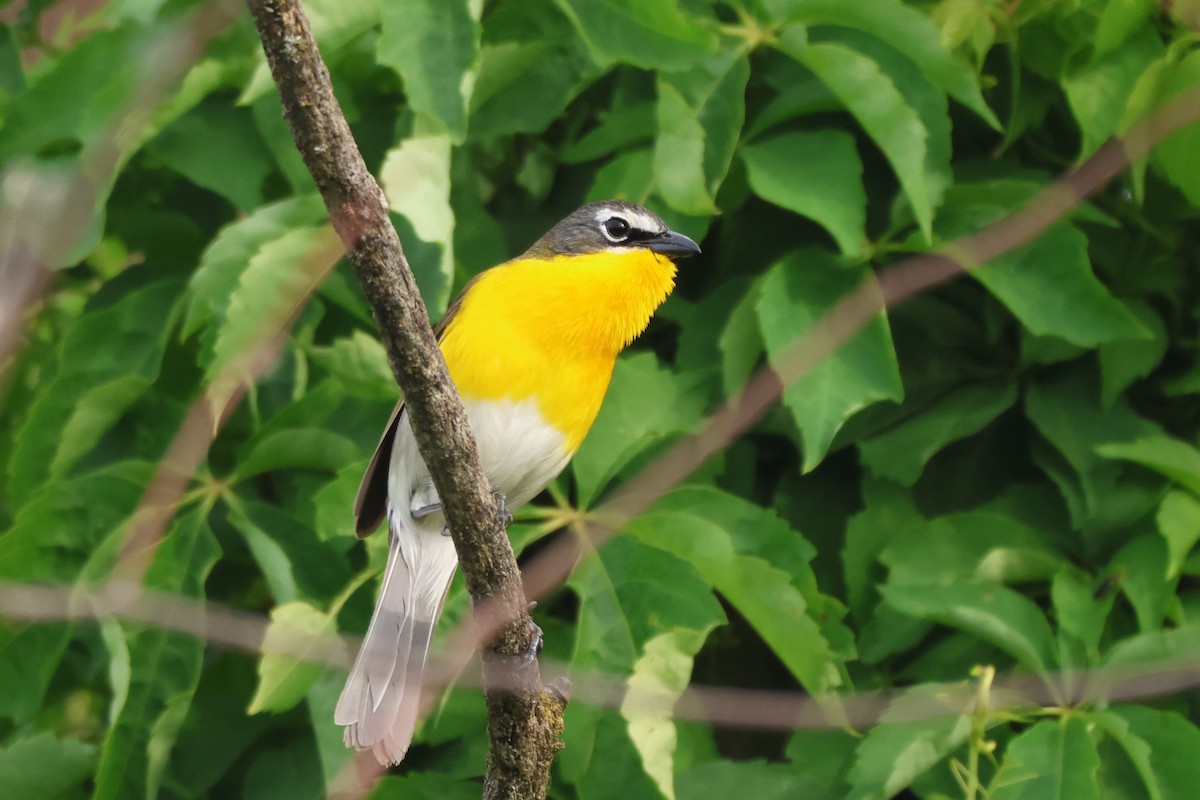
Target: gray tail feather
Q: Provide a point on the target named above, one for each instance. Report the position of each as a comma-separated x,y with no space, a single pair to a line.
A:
379,705
385,723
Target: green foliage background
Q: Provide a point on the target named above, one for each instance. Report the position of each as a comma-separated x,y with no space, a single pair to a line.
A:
1001,472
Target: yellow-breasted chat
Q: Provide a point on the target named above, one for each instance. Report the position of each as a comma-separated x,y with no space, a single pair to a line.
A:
531,345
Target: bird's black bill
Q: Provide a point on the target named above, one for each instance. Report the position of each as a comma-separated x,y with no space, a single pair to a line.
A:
673,244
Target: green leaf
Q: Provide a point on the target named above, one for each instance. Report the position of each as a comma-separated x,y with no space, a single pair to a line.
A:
618,129
1169,769
1097,93
1141,570
760,591
51,540
423,786
359,364
992,613
522,88
873,99
613,770
631,595
1078,610
700,114
741,342
1049,286
29,656
659,677
798,291
644,405
720,780
1124,361
1156,648
109,358
907,29
629,176
285,771
817,175
919,92
229,255
984,544
1119,19
416,179
434,46
12,76
1179,524
702,328
296,563
1135,748
322,700
219,148
61,527
679,154
200,759
1055,759
273,287
332,504
901,452
651,34
823,759
888,511
894,754
79,96
165,669
297,448
41,767
290,664
1173,458
1173,156
1065,409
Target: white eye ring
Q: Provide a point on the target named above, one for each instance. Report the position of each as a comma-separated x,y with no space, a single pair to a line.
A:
615,229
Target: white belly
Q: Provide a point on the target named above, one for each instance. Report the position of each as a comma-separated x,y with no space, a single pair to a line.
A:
519,451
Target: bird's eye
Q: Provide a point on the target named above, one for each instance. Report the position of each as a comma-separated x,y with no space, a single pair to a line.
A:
616,229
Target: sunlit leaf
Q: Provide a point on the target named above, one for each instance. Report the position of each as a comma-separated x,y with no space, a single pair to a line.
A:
298,639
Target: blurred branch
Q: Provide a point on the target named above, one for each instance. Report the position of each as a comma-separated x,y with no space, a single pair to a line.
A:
728,707
523,723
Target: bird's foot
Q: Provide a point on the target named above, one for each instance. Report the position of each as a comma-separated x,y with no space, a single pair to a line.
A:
506,516
424,511
536,643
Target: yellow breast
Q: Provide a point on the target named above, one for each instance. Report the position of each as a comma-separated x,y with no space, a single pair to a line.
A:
552,329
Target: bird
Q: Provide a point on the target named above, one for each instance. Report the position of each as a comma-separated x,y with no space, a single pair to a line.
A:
531,345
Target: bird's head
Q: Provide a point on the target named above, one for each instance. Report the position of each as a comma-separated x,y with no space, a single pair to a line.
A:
612,225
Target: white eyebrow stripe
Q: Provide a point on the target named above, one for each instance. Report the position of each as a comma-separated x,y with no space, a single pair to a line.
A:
636,219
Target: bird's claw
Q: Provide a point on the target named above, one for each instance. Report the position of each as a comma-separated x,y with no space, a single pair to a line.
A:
535,643
424,511
506,516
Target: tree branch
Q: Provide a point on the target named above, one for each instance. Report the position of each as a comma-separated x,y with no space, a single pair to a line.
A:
523,724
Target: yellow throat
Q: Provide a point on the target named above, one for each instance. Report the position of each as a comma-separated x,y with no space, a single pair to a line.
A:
551,330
